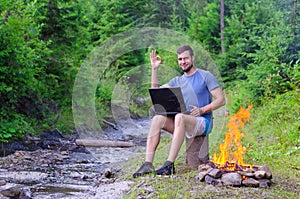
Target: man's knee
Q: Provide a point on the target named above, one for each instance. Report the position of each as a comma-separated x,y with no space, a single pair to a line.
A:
179,119
158,118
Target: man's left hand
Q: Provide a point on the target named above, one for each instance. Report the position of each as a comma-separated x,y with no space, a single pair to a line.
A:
196,111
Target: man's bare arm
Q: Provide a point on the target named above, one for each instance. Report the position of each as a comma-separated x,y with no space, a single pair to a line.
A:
155,60
218,101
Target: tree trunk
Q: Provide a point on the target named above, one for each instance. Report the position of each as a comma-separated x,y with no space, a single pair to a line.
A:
222,26
295,17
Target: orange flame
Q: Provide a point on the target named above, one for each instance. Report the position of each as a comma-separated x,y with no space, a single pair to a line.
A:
231,150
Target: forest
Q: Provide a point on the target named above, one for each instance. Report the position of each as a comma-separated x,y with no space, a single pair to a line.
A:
254,45
80,64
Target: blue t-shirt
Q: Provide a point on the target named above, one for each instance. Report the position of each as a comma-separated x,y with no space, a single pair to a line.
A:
196,89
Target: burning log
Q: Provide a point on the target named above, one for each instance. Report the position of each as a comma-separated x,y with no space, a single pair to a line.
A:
228,168
255,177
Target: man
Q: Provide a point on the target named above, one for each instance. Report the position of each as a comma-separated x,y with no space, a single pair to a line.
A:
198,88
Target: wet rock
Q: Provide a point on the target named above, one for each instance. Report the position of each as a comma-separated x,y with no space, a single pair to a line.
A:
29,177
27,157
231,179
2,182
75,175
81,157
25,194
64,153
107,173
27,143
17,192
51,139
48,140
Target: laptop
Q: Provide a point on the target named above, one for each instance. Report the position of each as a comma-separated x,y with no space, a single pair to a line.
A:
167,101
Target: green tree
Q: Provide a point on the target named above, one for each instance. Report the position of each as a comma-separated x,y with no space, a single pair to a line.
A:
206,28
258,38
22,55
65,27
167,14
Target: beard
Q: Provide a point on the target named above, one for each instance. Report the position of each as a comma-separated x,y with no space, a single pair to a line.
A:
188,69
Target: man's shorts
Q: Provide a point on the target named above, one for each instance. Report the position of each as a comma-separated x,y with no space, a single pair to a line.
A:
203,127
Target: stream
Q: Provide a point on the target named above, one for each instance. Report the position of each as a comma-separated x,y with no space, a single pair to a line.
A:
58,168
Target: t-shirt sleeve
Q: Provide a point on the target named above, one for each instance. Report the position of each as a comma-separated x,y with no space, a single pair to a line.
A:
173,82
211,81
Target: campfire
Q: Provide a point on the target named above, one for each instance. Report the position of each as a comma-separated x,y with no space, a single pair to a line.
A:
228,168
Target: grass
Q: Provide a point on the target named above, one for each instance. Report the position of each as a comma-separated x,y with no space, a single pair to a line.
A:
272,136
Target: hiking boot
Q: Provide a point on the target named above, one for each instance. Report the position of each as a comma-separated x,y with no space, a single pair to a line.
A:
167,169
146,168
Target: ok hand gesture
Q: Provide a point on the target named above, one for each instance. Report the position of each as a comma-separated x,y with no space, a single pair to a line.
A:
156,60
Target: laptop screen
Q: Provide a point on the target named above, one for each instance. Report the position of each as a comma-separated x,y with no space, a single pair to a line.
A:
167,101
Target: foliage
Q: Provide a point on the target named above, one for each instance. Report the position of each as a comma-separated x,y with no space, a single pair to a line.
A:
13,127
167,14
257,46
22,54
65,25
207,28
44,43
40,51
279,138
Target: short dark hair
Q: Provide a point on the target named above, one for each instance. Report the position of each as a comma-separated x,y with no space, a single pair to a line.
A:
183,48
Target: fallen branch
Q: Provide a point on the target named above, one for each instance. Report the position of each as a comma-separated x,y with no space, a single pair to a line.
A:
103,143
110,124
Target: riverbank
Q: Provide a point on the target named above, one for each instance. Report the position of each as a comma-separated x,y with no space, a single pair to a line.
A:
53,166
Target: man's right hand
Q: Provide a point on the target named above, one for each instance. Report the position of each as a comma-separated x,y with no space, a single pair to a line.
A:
156,60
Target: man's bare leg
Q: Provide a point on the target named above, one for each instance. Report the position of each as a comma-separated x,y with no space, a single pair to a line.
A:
158,122
183,123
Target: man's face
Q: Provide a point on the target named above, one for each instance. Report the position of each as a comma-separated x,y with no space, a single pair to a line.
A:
185,61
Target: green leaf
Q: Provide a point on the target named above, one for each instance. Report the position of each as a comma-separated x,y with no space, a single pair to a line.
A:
11,130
